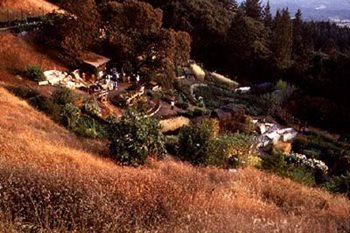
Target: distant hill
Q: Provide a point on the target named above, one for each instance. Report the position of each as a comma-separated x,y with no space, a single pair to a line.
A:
318,10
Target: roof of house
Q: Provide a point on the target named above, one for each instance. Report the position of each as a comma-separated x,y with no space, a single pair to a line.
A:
94,59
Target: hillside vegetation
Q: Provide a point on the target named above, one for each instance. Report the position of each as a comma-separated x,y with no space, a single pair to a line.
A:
16,53
53,181
60,168
21,9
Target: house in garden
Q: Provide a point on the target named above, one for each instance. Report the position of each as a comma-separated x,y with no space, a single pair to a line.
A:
94,64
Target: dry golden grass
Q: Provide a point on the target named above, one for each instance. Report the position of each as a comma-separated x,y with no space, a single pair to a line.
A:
225,80
173,124
198,72
17,52
52,182
21,9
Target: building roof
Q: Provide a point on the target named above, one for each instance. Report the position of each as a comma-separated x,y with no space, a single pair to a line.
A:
94,59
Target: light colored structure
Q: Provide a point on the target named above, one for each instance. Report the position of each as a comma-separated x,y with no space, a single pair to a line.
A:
95,63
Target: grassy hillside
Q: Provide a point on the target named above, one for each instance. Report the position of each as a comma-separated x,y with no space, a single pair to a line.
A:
16,53
21,9
52,180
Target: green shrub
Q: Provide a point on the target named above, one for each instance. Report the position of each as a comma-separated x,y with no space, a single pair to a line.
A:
44,104
35,73
299,174
181,102
196,112
229,151
24,92
171,144
156,95
274,162
273,101
198,145
86,126
92,108
324,148
136,137
80,124
194,142
70,114
296,171
63,96
281,84
180,71
340,184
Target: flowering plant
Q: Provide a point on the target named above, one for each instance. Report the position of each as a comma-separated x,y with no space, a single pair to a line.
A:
307,162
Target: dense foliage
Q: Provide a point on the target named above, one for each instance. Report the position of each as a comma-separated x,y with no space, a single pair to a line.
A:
130,32
255,45
200,145
135,137
248,41
35,73
63,96
340,184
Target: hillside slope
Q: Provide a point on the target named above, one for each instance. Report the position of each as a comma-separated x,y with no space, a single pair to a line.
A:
49,179
20,9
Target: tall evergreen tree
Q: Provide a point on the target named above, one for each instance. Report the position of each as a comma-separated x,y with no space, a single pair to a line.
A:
302,42
247,44
253,9
297,35
282,39
267,16
230,4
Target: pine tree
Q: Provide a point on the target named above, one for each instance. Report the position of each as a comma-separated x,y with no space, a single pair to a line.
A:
302,42
297,35
267,16
230,4
248,39
253,9
282,39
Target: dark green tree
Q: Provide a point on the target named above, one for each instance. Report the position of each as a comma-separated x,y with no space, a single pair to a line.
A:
253,9
282,40
247,41
302,43
230,4
194,143
135,137
207,22
136,38
267,16
75,31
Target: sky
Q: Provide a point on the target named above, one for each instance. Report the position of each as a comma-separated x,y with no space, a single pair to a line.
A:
314,9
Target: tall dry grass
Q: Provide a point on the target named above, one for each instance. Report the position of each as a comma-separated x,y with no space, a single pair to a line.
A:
51,181
174,123
22,9
16,53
